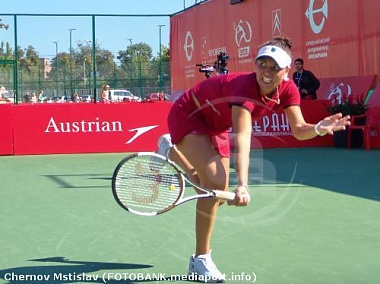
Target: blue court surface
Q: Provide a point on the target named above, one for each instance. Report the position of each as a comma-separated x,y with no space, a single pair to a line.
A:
314,218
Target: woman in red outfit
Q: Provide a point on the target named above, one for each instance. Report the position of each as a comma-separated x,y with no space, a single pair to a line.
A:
198,124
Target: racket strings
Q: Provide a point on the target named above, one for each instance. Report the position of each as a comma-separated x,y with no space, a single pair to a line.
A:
147,184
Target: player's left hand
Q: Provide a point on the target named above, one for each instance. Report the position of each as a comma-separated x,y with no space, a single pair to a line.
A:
334,123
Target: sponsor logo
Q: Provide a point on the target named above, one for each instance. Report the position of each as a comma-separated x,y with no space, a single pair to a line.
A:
83,126
273,125
337,92
311,12
188,47
276,23
94,126
140,131
243,37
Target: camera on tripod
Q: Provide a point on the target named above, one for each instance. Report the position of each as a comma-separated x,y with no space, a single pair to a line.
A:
220,65
205,68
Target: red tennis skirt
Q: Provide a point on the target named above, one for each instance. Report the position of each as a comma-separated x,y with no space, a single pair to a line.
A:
183,121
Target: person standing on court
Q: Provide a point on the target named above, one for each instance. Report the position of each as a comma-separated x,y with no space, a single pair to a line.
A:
200,119
305,80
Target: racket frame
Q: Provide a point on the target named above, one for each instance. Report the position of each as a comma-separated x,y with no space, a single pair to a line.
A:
207,193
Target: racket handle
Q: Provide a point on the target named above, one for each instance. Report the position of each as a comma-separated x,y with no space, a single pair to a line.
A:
224,195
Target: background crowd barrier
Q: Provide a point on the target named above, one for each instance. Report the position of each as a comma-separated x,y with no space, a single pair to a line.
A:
125,127
6,128
87,128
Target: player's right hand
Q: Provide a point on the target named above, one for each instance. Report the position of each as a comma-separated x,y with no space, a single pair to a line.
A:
242,196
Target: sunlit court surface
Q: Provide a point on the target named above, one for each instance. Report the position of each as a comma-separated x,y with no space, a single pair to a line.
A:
313,218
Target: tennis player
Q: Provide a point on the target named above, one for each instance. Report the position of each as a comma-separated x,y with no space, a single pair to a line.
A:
198,124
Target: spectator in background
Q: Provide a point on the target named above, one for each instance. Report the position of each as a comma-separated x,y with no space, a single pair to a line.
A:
41,97
3,98
76,98
33,98
27,98
305,80
104,96
161,96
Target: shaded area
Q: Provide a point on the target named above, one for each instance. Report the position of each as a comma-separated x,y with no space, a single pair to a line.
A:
65,181
354,172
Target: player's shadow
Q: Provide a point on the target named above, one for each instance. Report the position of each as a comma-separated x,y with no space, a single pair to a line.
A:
64,269
63,181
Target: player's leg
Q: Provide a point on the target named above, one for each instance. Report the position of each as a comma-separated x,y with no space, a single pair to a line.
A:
170,151
213,172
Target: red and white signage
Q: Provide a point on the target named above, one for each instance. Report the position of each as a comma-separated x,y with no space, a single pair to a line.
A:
6,129
127,127
88,128
274,131
336,38
337,88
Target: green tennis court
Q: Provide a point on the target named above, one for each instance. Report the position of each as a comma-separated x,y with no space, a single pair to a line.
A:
314,218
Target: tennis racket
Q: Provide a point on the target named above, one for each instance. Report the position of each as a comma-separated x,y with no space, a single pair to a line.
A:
148,184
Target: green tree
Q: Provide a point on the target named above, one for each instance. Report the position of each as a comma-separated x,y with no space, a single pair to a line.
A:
32,55
6,51
28,59
85,62
135,66
2,25
63,66
105,63
166,65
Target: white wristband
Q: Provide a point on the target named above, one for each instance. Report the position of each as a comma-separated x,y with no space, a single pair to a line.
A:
317,130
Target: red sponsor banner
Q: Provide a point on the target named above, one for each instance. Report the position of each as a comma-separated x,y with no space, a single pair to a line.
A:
199,34
88,128
335,38
6,129
273,131
345,86
127,127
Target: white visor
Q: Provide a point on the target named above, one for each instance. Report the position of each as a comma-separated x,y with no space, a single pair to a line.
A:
278,54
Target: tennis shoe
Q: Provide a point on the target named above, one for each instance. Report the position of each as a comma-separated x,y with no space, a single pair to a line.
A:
203,269
164,144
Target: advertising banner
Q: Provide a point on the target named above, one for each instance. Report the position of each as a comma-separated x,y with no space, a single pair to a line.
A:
274,131
336,38
88,128
126,127
6,129
337,88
